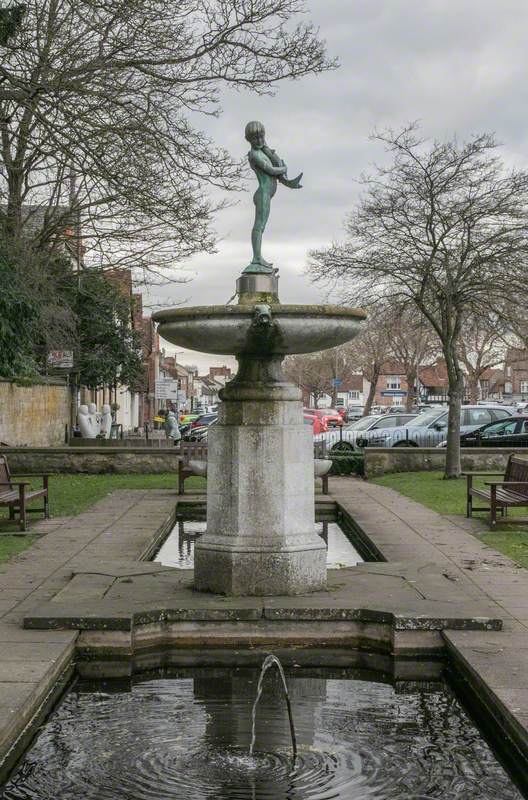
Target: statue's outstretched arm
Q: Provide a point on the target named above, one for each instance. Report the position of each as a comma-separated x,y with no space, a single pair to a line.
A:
259,160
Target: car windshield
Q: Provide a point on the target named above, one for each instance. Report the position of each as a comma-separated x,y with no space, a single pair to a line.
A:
362,424
422,420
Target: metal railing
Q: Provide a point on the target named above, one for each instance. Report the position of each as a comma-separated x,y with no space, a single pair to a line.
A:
357,441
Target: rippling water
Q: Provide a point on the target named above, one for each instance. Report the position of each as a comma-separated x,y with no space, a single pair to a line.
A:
187,739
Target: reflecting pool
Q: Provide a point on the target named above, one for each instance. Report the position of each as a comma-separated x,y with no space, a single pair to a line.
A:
178,549
186,735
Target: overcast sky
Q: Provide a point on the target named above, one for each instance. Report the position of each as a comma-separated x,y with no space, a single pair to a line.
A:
458,66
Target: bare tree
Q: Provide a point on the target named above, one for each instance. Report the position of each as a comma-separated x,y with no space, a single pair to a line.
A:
97,117
412,342
315,372
372,348
445,226
482,347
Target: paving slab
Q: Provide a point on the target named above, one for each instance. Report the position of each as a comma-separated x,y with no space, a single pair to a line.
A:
406,597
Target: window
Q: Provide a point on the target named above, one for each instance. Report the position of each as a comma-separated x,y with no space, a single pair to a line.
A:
499,413
501,428
524,387
393,382
389,422
476,416
353,394
508,372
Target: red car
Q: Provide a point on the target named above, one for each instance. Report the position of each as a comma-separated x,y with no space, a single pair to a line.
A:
317,424
330,417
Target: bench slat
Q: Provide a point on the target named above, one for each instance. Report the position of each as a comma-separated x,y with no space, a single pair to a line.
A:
8,497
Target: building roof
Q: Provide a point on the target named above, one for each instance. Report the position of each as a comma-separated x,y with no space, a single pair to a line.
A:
434,374
354,383
392,367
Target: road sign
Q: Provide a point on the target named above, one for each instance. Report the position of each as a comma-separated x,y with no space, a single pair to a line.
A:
336,382
60,359
166,389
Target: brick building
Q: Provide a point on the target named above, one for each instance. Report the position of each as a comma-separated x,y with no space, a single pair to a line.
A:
516,374
391,388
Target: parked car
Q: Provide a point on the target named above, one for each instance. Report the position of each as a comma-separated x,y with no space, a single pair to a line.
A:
429,429
198,434
348,437
354,412
511,432
202,421
318,424
185,419
328,415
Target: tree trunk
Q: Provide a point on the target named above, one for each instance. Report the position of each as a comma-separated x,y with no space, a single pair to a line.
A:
372,393
456,392
411,389
473,385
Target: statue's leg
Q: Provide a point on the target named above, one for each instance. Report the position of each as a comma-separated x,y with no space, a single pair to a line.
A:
262,210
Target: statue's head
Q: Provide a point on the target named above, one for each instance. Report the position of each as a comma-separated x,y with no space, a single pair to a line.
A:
255,133
83,410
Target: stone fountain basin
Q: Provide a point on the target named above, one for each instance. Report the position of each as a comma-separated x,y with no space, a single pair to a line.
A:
226,330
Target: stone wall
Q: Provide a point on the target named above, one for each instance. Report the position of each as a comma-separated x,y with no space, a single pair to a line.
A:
91,460
33,416
382,460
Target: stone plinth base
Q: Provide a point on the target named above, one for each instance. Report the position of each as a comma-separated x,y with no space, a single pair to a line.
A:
260,537
234,572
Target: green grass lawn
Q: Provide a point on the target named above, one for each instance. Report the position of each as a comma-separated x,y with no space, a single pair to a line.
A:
70,495
449,497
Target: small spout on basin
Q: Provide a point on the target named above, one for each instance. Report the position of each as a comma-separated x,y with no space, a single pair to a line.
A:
262,315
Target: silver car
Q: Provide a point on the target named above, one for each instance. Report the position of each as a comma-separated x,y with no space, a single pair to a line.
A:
429,429
346,438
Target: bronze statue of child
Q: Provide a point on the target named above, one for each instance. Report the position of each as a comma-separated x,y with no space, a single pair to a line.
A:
269,168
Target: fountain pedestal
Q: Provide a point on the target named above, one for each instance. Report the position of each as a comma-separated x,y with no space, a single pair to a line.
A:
260,537
260,490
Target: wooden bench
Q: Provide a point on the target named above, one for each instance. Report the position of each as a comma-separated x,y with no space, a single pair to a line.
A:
15,494
510,492
189,451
